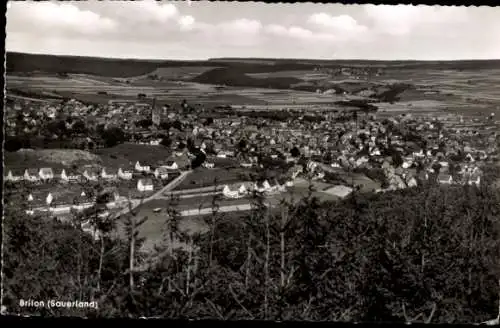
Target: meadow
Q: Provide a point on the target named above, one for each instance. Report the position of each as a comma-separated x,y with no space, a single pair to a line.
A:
202,177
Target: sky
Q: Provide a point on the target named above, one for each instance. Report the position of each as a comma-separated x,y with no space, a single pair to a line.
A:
201,30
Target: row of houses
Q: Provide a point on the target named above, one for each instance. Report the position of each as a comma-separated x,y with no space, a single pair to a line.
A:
90,174
263,187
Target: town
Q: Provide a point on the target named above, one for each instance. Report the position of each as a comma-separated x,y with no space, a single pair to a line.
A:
336,151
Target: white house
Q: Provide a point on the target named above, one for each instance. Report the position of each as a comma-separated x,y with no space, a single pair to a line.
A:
145,185
12,177
107,175
31,175
140,168
243,190
475,179
171,165
46,173
161,173
125,175
65,177
228,193
208,165
49,199
90,175
445,179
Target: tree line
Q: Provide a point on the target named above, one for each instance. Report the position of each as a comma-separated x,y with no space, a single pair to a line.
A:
425,254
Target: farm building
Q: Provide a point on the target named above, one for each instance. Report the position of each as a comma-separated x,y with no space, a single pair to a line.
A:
445,178
145,185
67,176
232,194
91,174
208,165
31,175
171,165
46,173
106,174
125,175
140,168
14,176
161,172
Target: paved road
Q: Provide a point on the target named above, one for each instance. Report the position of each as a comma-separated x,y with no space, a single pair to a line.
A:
134,203
223,209
193,195
209,189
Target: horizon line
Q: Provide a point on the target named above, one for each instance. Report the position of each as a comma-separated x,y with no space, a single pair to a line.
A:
249,58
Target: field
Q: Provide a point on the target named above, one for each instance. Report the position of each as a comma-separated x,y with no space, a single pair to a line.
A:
432,90
202,177
127,154
124,155
452,86
55,158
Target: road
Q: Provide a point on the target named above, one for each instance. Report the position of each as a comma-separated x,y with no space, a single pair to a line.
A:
190,195
134,203
222,209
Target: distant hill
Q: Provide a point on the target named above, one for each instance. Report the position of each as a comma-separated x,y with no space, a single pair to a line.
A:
230,71
435,64
236,77
108,67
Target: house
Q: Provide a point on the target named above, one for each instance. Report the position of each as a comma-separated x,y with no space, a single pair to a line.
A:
445,178
410,181
208,165
31,175
90,174
475,179
69,176
49,199
46,173
105,174
13,177
228,193
243,190
140,168
161,173
171,165
83,201
125,175
145,185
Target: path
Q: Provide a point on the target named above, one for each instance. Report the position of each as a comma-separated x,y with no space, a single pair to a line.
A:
134,203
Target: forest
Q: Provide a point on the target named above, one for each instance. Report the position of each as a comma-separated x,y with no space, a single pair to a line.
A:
427,254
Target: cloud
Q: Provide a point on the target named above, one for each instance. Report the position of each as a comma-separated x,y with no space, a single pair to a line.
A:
243,25
404,20
335,23
158,11
167,29
42,16
186,22
292,31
